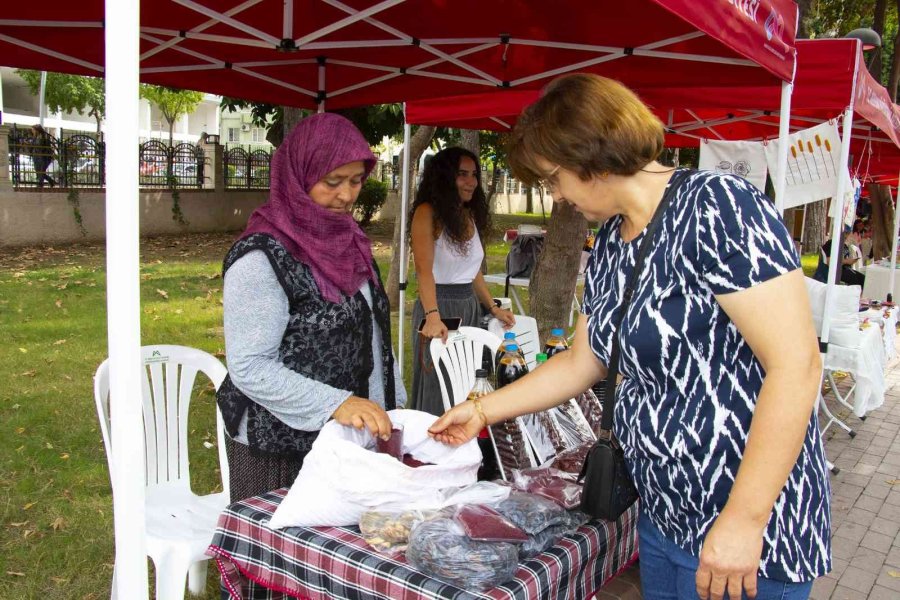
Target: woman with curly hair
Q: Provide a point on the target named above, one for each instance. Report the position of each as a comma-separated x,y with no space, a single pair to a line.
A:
449,218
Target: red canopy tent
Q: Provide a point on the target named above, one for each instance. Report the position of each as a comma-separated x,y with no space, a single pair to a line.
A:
348,53
827,78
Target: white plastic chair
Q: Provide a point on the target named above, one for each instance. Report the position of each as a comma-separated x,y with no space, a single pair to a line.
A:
460,357
179,524
527,338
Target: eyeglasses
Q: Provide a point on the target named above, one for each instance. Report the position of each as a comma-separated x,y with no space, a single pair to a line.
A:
547,181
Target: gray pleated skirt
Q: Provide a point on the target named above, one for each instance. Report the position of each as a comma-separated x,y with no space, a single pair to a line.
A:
455,300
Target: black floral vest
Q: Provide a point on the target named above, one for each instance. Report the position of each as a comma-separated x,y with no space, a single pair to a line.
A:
328,342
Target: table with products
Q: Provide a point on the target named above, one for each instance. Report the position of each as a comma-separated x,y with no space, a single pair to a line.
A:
878,282
335,562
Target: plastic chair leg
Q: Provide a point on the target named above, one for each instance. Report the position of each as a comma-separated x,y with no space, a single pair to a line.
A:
197,577
171,576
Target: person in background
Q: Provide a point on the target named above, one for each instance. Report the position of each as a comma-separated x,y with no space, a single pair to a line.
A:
41,154
307,321
715,411
449,220
848,274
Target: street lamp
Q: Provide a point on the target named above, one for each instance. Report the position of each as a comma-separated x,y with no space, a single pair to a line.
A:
869,38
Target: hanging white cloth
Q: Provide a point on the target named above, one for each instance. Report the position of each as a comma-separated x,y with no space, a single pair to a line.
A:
813,164
745,159
851,199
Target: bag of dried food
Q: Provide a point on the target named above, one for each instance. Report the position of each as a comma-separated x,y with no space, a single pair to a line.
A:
440,549
343,477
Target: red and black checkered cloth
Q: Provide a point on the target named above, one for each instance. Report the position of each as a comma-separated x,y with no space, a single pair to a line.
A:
335,562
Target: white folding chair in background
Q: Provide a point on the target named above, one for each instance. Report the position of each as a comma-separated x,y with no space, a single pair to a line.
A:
179,524
460,357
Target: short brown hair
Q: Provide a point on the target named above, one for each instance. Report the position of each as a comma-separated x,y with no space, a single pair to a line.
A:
587,124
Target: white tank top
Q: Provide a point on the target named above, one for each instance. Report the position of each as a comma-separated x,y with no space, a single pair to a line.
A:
451,265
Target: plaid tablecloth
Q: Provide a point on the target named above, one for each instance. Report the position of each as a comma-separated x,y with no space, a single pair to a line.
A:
335,562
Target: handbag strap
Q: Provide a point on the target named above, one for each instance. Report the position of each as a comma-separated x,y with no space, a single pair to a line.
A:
609,398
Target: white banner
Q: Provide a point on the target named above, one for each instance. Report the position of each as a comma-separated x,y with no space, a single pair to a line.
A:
851,199
813,164
745,159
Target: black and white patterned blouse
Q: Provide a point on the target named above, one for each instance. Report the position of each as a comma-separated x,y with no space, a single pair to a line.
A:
683,411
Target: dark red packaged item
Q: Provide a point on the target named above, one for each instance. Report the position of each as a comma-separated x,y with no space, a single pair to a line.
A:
392,445
554,485
484,524
571,461
410,461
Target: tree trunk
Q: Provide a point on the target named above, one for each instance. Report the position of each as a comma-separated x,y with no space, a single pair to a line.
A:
417,145
878,27
492,187
291,117
894,76
553,279
804,7
882,220
470,140
814,228
171,133
529,200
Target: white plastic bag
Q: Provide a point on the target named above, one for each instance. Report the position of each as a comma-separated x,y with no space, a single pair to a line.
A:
342,476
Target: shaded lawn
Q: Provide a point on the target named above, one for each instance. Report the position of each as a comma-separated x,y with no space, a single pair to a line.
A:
56,533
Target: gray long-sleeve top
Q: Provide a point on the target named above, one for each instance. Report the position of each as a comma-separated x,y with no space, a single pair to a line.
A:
256,316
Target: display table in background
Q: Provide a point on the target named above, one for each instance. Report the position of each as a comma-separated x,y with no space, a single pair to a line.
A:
878,283
866,364
335,562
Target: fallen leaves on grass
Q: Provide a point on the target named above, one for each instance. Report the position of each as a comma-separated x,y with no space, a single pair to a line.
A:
59,342
58,523
15,574
23,350
29,505
19,524
58,303
163,293
29,373
64,456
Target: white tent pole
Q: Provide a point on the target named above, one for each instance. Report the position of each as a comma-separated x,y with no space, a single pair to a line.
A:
123,296
834,261
404,207
894,241
780,183
42,105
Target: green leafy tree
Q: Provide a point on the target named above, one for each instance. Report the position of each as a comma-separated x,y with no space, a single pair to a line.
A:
171,102
69,93
375,122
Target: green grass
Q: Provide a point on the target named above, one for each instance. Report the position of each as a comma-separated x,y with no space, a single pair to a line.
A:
56,532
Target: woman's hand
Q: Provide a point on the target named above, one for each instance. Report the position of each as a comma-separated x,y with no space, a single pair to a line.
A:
434,327
458,425
730,557
361,412
504,316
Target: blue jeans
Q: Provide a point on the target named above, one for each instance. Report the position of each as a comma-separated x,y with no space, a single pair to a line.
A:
668,572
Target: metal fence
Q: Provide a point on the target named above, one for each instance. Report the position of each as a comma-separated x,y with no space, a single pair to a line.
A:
78,160
246,168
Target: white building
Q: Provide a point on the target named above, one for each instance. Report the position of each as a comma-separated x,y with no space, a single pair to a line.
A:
19,106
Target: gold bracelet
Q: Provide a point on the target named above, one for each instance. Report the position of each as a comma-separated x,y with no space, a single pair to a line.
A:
480,410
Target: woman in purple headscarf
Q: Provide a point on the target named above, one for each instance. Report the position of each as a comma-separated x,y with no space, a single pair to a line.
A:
307,322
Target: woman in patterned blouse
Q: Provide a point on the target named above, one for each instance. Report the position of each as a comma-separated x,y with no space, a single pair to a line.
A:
719,358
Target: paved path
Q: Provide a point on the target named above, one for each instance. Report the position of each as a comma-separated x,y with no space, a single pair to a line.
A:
865,507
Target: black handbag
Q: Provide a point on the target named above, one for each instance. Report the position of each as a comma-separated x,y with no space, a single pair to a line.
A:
607,489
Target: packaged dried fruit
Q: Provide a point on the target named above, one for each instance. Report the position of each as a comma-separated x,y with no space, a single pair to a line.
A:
484,524
440,549
532,513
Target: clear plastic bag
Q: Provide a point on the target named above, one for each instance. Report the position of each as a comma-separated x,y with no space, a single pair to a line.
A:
542,540
592,408
531,513
440,549
574,428
541,432
572,460
512,450
558,486
388,532
484,524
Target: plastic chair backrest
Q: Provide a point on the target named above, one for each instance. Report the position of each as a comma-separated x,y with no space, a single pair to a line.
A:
527,338
169,375
460,357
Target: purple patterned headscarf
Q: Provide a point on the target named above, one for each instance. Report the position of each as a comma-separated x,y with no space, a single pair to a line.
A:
332,245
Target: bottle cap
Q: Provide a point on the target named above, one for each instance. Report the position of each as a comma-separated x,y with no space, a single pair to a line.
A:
556,331
481,373
512,347
540,357
509,335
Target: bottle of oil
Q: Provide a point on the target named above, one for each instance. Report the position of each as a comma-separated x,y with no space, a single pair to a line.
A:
488,470
556,342
511,366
